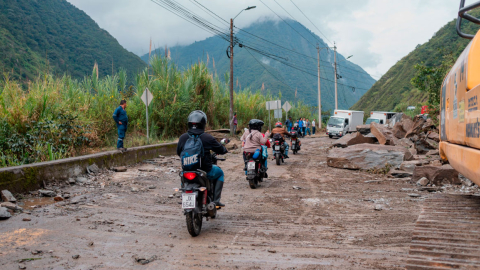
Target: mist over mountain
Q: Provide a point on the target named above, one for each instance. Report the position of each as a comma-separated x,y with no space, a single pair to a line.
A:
296,69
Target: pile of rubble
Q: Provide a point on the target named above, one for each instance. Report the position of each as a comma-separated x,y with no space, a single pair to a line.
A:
404,147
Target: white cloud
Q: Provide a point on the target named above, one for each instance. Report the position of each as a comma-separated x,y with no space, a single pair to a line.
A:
377,32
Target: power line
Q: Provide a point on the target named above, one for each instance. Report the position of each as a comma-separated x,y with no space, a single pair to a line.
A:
288,24
315,37
311,22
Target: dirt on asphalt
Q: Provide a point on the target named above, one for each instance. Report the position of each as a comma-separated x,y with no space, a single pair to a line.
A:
117,219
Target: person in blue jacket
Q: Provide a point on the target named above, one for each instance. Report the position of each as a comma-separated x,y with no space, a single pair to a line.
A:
121,119
300,125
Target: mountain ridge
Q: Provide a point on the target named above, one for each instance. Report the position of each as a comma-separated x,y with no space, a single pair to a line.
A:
299,74
56,37
393,91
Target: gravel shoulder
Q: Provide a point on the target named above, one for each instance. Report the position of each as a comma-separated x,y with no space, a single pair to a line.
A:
117,219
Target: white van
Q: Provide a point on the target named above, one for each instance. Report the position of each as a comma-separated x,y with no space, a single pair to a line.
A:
343,122
380,117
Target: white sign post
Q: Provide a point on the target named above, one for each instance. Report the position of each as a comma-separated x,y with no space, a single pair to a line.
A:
286,106
147,98
273,105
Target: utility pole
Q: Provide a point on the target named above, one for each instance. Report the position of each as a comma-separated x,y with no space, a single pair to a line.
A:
230,120
335,59
319,95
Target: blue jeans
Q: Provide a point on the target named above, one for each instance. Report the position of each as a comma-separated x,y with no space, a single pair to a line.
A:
308,131
313,130
216,174
121,135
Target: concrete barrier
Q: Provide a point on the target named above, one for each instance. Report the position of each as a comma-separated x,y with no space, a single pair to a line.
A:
30,177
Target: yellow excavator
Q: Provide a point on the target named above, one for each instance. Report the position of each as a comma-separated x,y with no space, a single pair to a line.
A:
459,105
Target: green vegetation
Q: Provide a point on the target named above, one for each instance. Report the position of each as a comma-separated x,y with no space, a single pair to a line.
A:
264,73
394,90
54,37
57,117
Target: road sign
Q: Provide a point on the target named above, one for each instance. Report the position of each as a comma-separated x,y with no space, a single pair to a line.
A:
147,97
286,106
274,105
277,114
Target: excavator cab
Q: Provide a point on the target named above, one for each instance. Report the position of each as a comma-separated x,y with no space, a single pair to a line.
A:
459,109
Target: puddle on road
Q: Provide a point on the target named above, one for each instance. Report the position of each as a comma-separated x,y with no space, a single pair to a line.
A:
32,203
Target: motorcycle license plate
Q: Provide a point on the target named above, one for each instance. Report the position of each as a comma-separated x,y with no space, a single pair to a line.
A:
277,147
251,166
188,201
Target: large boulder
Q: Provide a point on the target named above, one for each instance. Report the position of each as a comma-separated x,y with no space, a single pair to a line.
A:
434,136
7,196
417,126
409,166
352,139
4,214
398,130
437,175
382,133
367,156
363,129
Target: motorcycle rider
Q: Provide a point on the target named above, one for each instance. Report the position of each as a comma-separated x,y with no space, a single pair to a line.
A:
197,120
280,130
254,139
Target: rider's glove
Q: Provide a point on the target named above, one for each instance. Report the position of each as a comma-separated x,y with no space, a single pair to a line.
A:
224,141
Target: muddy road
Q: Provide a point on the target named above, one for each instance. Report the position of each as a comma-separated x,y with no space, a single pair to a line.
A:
330,223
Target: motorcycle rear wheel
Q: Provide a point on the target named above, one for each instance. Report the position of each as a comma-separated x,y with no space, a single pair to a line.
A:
194,223
253,183
294,152
277,157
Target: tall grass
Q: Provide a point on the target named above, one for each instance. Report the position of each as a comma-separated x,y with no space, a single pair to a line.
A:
56,117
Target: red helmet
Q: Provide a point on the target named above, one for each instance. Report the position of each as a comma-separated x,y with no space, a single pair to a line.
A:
278,124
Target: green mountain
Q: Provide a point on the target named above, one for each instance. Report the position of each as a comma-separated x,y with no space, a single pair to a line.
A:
394,88
296,71
32,31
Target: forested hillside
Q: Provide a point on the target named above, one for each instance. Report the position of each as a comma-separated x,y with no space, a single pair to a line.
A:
297,72
394,89
32,31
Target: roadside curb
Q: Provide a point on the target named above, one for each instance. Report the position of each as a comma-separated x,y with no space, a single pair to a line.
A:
32,176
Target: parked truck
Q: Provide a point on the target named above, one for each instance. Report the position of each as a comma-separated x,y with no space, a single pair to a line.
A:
380,117
343,122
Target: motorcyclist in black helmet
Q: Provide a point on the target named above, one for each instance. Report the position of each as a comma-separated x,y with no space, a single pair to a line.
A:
197,120
254,138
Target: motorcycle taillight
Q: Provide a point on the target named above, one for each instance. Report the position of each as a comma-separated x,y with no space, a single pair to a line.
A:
190,175
277,142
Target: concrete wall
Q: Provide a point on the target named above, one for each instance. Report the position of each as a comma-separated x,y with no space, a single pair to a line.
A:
30,177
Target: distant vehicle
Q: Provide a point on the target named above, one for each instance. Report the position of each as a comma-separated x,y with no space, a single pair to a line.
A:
410,108
343,122
380,117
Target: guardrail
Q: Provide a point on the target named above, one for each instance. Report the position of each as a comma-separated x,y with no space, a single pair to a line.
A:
30,177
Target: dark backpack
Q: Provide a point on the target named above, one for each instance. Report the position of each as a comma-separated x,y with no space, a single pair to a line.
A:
192,154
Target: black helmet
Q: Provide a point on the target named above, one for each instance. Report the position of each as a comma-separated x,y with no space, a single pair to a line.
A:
197,120
256,124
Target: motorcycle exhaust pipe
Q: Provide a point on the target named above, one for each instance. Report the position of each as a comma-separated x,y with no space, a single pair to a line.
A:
211,209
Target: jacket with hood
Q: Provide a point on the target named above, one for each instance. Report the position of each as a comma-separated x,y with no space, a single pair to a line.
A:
254,140
281,131
209,144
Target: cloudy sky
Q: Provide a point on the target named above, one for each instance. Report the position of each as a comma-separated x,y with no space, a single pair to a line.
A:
377,33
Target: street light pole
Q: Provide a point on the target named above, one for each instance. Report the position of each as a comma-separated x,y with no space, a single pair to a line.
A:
231,77
335,60
231,68
319,95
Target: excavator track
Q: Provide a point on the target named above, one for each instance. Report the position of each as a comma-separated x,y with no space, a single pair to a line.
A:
447,234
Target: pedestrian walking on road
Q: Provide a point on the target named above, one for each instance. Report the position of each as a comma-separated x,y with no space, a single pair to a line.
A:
235,123
313,127
121,119
309,125
300,127
289,124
